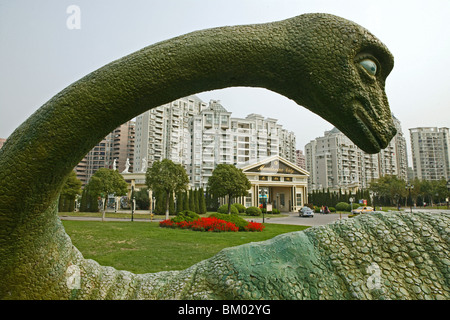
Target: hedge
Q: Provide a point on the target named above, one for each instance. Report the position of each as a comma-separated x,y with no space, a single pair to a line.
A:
253,211
224,209
239,207
240,222
185,215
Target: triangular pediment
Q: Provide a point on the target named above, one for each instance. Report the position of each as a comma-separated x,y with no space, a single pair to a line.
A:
274,165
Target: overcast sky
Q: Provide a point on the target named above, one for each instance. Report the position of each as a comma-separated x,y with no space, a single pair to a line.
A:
40,55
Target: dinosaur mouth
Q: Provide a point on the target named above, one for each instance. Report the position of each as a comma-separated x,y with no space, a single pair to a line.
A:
370,132
374,141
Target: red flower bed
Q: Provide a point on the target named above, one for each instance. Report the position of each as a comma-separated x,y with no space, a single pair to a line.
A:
210,224
202,224
254,226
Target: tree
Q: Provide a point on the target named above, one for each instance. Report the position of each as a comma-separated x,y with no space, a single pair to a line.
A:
191,200
171,204
168,177
389,186
227,180
88,203
160,202
212,201
180,201
185,200
196,198
202,201
71,188
105,182
142,199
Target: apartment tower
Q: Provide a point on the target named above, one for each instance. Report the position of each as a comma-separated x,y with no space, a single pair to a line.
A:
430,148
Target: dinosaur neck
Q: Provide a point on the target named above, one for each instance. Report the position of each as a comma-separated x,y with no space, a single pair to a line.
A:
61,132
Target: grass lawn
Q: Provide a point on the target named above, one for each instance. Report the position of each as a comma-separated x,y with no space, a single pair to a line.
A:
142,247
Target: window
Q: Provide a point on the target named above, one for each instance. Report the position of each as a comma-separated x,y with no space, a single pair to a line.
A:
299,199
224,120
248,200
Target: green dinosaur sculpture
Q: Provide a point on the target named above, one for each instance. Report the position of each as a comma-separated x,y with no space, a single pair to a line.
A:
332,66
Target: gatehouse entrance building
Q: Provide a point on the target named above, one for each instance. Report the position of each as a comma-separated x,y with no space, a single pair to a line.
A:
276,183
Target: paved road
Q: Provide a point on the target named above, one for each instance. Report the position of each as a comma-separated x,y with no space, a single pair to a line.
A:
293,218
321,219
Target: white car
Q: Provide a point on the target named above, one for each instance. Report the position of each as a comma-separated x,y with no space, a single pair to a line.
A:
363,210
306,212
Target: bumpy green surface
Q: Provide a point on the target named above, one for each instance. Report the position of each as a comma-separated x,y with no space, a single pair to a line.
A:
312,59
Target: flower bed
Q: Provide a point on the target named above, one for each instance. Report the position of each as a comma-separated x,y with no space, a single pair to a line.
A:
202,224
210,224
255,226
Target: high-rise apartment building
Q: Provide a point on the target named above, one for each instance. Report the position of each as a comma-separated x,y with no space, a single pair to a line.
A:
98,157
122,151
200,136
114,151
430,148
216,138
393,160
334,161
163,132
300,159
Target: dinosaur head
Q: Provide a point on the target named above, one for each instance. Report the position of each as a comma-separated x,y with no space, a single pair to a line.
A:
343,69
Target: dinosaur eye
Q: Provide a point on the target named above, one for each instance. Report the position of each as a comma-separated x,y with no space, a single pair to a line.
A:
369,65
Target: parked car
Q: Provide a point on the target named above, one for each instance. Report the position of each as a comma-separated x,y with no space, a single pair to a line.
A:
362,210
306,212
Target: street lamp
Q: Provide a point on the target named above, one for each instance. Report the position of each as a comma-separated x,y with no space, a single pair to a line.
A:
448,189
264,200
351,203
409,187
132,202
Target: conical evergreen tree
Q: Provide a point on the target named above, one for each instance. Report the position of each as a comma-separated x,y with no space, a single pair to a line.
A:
202,201
186,201
196,206
160,203
191,200
171,204
179,202
83,201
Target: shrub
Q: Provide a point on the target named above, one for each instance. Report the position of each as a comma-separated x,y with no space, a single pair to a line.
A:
224,209
342,206
332,209
239,207
185,215
275,211
240,222
253,211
